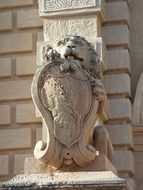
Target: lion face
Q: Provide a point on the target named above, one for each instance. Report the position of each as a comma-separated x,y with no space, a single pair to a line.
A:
82,51
73,46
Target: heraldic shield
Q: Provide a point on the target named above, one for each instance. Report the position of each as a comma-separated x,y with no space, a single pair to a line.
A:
62,94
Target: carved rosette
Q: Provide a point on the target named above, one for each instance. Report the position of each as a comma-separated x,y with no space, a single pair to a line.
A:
63,94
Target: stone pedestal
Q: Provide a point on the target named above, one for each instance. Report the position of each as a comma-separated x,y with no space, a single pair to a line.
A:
64,181
101,163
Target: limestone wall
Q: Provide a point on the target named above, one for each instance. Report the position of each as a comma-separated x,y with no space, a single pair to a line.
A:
20,28
116,34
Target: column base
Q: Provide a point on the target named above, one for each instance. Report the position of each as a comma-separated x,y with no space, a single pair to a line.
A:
101,163
105,180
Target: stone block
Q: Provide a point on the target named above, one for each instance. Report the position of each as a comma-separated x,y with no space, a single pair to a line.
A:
5,21
40,36
25,65
28,18
19,162
5,115
38,134
101,163
137,43
117,12
138,164
4,165
14,43
56,29
15,90
119,60
121,135
25,113
15,138
104,180
139,183
117,84
138,138
116,36
5,67
124,161
120,109
136,15
15,3
102,52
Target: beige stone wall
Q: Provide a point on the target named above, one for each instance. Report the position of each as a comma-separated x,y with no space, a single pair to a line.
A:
116,35
20,28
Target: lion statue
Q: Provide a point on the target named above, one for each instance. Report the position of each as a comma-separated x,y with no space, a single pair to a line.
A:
79,49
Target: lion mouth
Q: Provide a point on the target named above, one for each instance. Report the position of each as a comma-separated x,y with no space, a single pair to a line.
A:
73,56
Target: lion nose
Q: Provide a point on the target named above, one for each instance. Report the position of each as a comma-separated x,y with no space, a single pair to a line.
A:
71,46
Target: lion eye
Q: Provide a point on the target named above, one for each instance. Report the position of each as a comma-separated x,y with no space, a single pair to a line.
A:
60,43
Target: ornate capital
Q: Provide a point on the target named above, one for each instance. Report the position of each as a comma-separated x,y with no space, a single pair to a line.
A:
53,8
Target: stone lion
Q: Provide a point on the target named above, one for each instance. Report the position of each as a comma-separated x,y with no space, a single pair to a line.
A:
78,49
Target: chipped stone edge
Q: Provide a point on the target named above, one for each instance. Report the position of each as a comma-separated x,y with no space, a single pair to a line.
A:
105,179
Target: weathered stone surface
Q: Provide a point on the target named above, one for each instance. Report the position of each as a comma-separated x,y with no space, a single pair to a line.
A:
102,163
102,52
118,12
4,165
15,138
130,183
5,21
38,134
120,112
119,60
56,29
124,161
65,5
138,163
5,115
15,3
138,104
99,46
19,162
25,113
57,90
28,19
73,180
14,90
71,7
116,36
121,135
117,84
24,43
5,65
25,65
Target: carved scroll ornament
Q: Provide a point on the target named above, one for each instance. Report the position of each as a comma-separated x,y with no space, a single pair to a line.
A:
68,92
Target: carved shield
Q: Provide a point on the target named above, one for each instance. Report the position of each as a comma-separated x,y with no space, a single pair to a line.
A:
67,95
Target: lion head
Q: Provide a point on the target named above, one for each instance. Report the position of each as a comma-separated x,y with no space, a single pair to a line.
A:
80,49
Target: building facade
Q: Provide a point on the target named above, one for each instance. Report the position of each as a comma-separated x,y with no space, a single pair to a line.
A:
122,34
